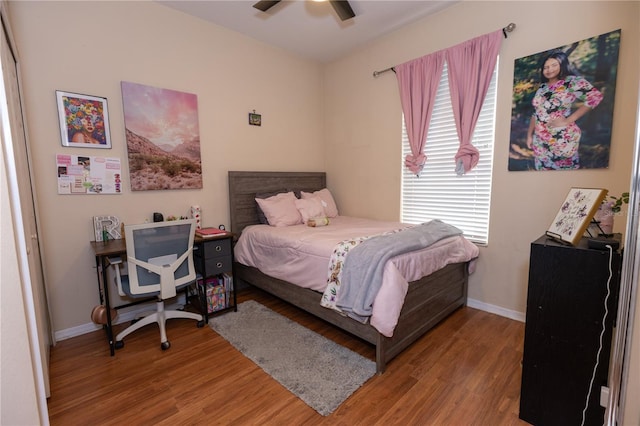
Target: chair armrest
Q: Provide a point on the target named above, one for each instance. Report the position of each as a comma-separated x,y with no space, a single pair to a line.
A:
115,262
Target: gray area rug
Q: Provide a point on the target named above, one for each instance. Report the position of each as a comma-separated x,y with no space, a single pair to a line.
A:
317,370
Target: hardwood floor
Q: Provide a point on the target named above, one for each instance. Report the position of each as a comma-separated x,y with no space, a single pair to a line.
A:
464,372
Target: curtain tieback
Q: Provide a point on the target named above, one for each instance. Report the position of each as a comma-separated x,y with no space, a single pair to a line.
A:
466,159
415,164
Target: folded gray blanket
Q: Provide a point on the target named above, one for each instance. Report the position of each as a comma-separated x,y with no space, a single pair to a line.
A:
363,267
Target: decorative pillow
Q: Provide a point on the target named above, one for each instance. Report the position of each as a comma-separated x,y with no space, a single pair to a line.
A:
311,207
326,199
280,210
261,217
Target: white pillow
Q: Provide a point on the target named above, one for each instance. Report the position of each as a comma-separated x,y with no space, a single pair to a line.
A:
310,207
280,210
326,199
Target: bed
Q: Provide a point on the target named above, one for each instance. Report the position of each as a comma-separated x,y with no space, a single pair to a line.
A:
428,300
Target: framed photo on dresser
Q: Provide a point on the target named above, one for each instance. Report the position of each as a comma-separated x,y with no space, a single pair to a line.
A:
576,212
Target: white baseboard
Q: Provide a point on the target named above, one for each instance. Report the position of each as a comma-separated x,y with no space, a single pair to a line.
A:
124,315
68,333
131,313
493,309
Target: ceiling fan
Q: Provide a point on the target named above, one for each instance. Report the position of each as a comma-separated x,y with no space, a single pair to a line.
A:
342,7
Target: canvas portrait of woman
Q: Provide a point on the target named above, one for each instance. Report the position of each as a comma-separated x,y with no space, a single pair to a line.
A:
563,106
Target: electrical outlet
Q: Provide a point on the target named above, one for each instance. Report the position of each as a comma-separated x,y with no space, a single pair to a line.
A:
604,396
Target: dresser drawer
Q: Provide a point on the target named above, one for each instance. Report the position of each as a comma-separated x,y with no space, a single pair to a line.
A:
215,265
214,248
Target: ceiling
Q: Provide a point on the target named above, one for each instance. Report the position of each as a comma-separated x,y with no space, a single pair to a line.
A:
311,29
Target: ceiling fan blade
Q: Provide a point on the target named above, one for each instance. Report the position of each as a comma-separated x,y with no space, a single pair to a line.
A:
342,8
265,5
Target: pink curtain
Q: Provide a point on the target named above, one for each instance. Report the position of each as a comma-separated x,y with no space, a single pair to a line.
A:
418,81
470,66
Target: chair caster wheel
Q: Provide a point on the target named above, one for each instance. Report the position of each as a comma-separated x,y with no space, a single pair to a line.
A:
200,324
165,345
119,344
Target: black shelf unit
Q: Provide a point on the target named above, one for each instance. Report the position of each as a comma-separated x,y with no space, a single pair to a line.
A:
213,257
564,320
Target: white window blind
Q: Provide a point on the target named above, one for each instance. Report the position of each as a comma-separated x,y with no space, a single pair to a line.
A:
439,193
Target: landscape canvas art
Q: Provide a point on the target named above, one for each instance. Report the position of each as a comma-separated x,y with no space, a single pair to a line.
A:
163,138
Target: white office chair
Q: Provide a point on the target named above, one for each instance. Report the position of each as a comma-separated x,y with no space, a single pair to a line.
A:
159,262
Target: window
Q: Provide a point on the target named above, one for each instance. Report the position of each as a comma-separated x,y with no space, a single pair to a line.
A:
439,193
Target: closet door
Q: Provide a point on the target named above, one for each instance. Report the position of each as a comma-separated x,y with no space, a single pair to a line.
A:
23,209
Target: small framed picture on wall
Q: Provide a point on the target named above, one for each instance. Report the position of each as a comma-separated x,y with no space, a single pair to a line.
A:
255,119
84,120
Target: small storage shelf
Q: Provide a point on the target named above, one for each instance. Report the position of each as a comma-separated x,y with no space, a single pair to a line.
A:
213,259
216,293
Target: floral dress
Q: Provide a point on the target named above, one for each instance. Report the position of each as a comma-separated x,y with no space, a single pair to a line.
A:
556,148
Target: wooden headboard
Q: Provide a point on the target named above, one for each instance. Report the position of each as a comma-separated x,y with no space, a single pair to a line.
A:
243,187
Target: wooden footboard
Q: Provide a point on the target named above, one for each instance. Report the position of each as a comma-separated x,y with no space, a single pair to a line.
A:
428,301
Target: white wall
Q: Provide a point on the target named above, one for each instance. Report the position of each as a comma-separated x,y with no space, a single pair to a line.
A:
89,48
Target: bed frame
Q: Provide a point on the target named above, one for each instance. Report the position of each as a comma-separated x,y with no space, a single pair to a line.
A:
428,301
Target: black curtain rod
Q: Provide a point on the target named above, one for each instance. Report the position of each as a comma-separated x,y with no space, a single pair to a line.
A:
505,30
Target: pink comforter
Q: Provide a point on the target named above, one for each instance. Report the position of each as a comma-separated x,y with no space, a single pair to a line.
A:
300,255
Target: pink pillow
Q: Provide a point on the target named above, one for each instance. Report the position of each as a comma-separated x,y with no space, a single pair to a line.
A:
280,210
326,199
311,207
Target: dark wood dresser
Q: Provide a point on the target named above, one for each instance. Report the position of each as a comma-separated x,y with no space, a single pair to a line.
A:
568,287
